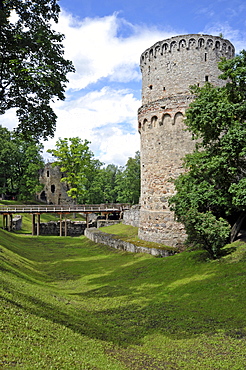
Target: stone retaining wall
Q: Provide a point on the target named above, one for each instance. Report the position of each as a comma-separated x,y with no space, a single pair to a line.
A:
103,223
98,236
74,228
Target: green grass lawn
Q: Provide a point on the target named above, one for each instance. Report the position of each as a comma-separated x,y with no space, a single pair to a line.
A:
68,303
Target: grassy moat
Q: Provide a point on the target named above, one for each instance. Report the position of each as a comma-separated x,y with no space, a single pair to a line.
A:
68,303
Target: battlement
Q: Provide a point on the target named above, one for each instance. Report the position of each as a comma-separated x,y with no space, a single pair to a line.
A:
171,66
187,42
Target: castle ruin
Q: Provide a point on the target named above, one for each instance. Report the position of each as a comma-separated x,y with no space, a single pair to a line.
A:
169,68
54,190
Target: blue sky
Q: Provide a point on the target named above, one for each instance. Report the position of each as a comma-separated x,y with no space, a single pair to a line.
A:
105,39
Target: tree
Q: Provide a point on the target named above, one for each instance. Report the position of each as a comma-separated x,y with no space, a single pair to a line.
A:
212,190
75,159
20,162
128,181
32,68
102,185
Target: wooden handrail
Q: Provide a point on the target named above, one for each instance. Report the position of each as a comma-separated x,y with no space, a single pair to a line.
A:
85,208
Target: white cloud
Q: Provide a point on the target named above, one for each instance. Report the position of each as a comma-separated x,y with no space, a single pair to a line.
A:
9,119
98,52
107,118
237,37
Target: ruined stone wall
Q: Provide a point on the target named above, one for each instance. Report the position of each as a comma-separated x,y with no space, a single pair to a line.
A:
168,69
17,222
54,191
74,228
131,216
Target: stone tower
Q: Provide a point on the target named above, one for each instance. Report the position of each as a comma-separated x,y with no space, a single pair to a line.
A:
168,69
54,191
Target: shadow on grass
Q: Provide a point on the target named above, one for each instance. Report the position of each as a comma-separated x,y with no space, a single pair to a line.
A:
179,297
127,325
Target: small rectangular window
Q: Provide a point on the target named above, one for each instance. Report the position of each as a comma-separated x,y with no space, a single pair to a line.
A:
205,57
206,78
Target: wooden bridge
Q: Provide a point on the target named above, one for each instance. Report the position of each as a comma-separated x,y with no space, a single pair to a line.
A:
36,210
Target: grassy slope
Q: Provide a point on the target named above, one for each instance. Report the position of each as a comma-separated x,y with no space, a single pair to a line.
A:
67,303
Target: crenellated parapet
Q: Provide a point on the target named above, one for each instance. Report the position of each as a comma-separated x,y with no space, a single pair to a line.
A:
187,42
170,66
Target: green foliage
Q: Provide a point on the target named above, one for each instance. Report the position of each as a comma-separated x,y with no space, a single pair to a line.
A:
102,185
20,162
128,181
75,159
205,231
213,183
68,303
33,70
88,181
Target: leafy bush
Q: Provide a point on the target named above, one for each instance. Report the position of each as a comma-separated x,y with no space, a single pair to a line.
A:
205,231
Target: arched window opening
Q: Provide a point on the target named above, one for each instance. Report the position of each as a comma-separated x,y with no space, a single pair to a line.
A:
201,42
173,45
192,43
153,121
145,123
164,48
178,118
166,119
210,43
217,45
43,196
182,44
139,126
53,188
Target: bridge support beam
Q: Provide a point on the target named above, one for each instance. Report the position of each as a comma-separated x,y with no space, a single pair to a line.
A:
65,231
38,224
60,224
5,221
33,224
10,228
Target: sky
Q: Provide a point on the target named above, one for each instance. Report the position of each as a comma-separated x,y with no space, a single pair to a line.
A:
104,39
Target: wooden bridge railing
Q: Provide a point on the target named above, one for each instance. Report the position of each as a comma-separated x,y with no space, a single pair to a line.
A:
36,210
85,208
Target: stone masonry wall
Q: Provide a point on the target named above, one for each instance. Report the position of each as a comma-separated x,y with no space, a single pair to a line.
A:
74,228
54,190
131,216
168,69
17,222
109,239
